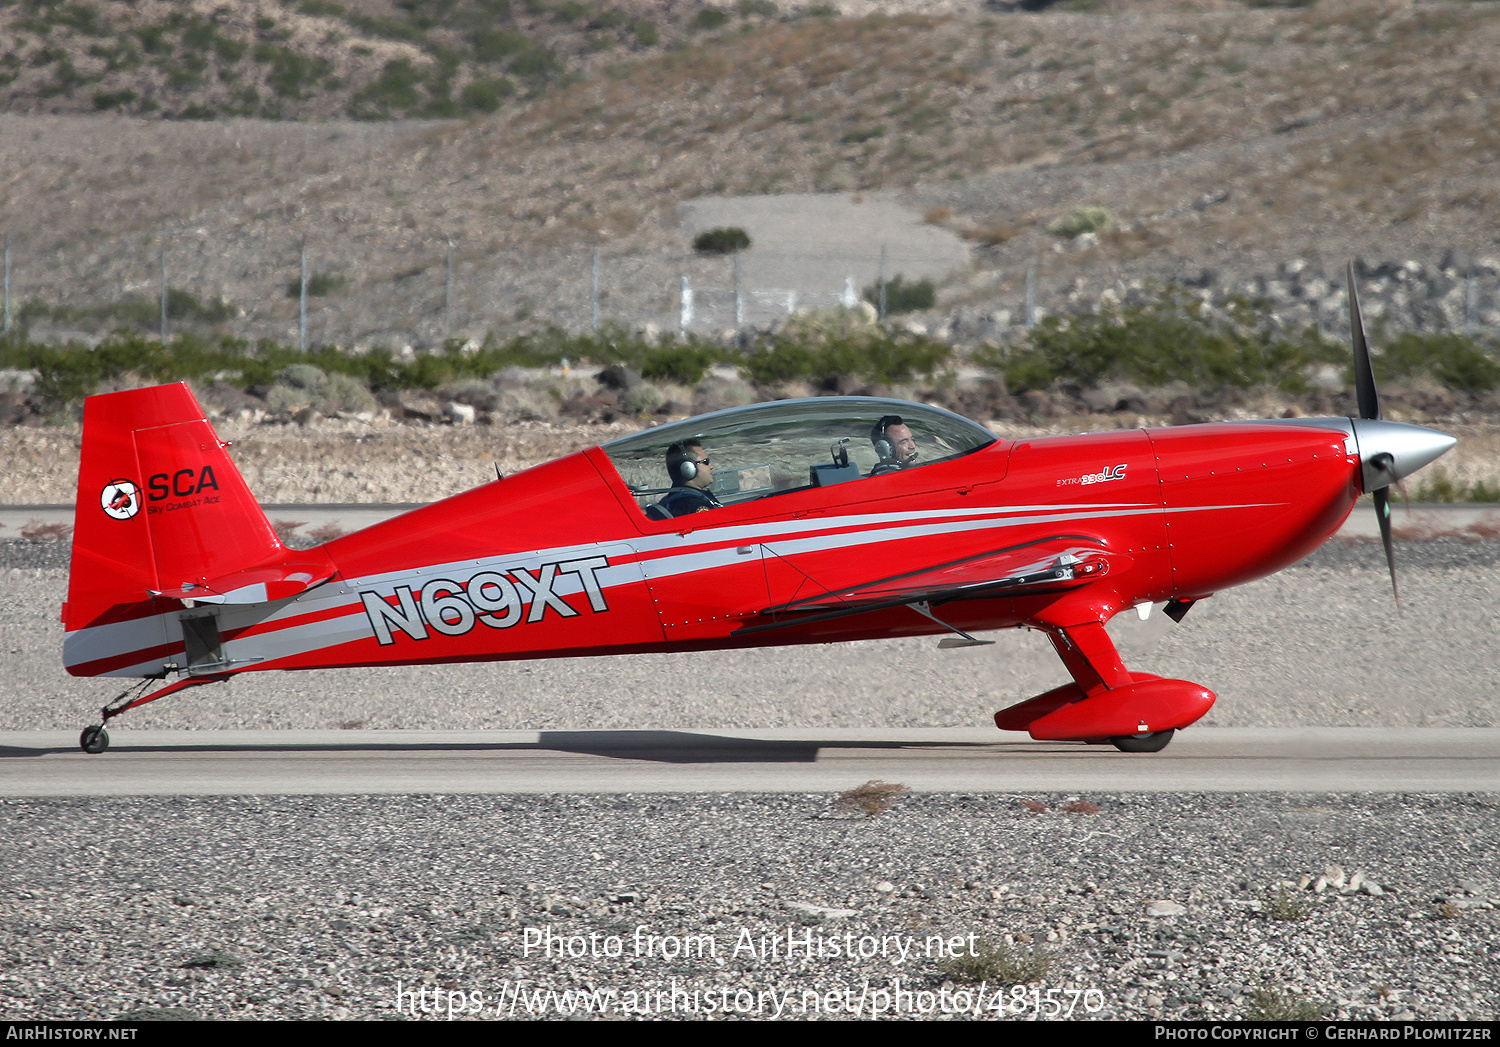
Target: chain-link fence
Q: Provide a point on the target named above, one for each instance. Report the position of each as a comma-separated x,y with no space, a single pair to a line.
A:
319,293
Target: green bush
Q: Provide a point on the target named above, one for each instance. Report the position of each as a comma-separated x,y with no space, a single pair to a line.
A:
1438,486
485,94
1459,362
184,305
536,64
1082,220
394,89
709,18
113,99
869,354
681,364
496,45
67,373
1172,337
291,72
645,33
726,240
132,309
903,297
319,285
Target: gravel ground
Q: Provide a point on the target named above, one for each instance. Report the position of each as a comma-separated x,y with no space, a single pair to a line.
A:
1318,645
370,907
1150,906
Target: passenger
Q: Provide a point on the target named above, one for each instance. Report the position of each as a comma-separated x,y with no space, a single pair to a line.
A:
691,473
894,444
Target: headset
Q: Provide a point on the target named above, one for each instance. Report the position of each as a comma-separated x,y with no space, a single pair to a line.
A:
680,465
883,447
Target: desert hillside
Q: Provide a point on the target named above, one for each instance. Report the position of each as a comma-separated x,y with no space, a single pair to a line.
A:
1225,141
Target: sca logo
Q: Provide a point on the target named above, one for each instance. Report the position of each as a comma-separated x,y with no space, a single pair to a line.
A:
183,483
120,499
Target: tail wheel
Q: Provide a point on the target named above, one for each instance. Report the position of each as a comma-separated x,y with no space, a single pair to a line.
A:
94,739
1143,743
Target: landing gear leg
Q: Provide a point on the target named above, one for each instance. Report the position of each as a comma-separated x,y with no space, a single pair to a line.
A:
95,739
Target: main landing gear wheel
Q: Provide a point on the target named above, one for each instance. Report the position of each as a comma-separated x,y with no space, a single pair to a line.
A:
94,739
1143,743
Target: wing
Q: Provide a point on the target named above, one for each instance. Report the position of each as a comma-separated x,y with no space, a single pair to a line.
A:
1055,563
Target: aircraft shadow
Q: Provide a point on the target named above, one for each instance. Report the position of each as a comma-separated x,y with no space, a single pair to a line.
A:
685,747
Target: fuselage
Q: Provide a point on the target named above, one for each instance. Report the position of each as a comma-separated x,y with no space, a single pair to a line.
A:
559,560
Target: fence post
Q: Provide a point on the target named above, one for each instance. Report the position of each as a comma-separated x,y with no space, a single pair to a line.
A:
881,307
594,297
302,303
448,296
1471,299
1030,299
7,282
685,317
163,287
849,300
739,301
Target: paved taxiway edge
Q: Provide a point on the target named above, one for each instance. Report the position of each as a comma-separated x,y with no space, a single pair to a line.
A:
1235,760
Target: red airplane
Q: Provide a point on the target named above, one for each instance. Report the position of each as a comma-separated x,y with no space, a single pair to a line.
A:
799,521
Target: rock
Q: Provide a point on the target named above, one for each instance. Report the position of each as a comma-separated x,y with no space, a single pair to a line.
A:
459,414
1165,907
821,911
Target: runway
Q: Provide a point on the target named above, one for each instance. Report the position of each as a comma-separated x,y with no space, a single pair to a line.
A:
800,760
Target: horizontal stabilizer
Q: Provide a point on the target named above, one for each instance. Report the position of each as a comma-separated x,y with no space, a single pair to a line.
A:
278,581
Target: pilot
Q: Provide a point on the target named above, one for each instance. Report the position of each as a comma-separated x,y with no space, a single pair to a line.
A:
691,473
894,444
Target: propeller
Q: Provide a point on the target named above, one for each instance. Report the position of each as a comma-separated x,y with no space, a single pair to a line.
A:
1379,468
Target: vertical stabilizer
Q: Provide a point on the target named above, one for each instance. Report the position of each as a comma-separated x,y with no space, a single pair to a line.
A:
161,507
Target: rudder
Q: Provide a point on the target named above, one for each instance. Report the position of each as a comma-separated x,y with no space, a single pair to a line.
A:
161,509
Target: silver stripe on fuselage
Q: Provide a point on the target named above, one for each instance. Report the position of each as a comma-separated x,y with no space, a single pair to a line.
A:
789,538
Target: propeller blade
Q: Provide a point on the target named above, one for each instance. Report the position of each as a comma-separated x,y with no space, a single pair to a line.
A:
1382,498
1364,374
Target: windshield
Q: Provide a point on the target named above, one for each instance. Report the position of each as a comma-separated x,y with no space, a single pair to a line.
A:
787,445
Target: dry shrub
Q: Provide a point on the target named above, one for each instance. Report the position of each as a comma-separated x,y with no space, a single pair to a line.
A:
528,403
1422,531
36,531
993,234
1284,906
872,798
1487,526
1082,807
1035,806
1272,1005
286,530
998,965
937,215
1133,243
326,532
